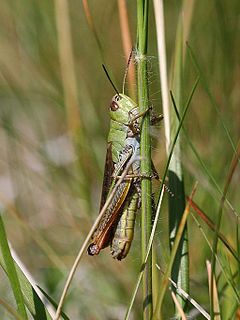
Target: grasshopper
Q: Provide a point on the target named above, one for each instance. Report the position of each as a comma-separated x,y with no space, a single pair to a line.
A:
117,224
116,227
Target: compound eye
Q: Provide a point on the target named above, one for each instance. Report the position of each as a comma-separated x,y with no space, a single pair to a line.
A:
114,106
117,98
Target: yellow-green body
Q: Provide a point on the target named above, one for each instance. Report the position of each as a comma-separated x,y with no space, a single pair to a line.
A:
117,225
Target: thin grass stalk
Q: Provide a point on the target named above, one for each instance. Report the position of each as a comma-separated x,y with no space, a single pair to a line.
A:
157,312
66,59
92,27
238,251
177,242
212,226
24,272
32,300
187,12
177,203
206,170
9,266
161,43
127,45
158,207
156,279
140,276
187,297
213,291
76,130
218,225
213,101
229,282
10,310
180,270
37,238
214,252
86,241
146,216
178,306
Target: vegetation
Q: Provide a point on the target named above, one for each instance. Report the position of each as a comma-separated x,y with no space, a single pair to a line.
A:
54,99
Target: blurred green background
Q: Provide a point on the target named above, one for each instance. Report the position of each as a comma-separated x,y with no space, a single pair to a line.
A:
53,129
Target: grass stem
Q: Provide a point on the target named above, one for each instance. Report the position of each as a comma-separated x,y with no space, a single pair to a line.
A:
146,217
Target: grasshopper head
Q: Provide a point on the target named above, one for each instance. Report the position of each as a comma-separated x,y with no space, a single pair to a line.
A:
120,107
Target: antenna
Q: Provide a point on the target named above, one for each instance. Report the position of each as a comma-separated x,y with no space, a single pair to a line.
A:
107,74
126,70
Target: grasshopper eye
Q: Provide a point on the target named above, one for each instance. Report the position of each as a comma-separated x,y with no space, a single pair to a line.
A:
117,98
114,106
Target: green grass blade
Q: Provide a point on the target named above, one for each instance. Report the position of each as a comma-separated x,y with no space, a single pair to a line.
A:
162,292
238,251
23,291
156,219
218,225
204,167
10,310
212,226
146,208
140,276
64,316
11,271
32,300
212,99
180,270
34,304
222,266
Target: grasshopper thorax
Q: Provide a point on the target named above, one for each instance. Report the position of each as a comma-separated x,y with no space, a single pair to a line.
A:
121,108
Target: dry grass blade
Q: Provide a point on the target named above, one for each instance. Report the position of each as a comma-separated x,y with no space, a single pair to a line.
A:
216,307
160,29
50,66
87,239
222,267
67,65
178,306
238,314
186,296
172,257
88,14
211,225
233,166
234,162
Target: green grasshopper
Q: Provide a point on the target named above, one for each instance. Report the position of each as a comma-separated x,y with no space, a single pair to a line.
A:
117,224
116,227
